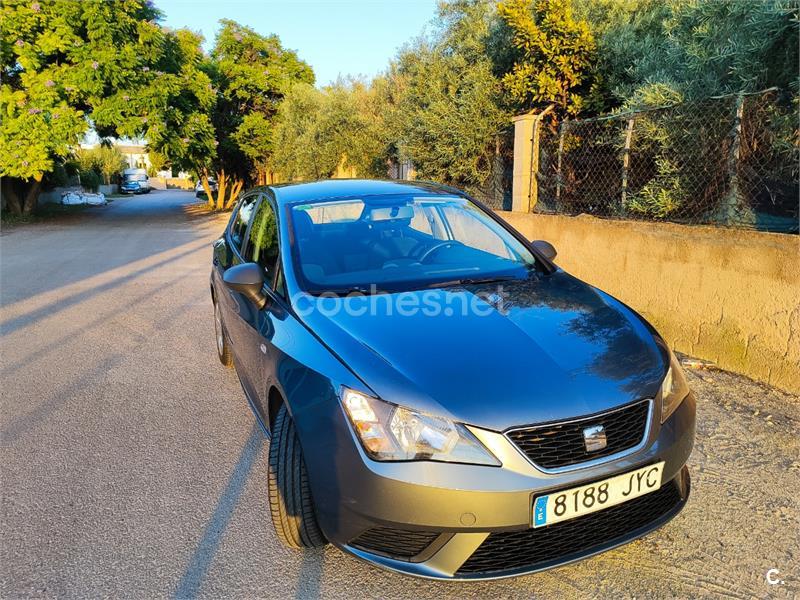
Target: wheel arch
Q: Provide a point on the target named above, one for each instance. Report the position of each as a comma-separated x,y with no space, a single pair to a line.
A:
275,400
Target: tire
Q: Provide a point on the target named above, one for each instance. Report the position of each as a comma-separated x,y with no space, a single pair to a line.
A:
290,500
223,347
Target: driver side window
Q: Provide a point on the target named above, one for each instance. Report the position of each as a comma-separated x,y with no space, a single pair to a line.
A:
262,247
243,216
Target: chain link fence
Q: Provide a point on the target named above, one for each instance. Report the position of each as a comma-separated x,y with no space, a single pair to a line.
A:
731,161
495,191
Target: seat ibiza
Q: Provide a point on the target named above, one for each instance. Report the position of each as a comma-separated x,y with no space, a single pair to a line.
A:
442,399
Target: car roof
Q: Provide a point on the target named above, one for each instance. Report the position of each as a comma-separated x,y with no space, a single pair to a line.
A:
331,189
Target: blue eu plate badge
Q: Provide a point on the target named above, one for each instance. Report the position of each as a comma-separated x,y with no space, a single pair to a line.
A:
540,511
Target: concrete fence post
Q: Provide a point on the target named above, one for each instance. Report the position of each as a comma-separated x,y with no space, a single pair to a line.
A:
533,194
527,129
523,155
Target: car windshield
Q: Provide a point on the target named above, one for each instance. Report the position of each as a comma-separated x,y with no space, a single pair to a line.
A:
135,177
399,243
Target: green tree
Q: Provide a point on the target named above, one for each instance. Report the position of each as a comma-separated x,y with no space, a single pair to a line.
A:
69,65
180,130
554,54
652,51
685,53
318,131
448,109
106,161
301,152
252,73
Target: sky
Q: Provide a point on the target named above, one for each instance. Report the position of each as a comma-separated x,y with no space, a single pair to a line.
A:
335,37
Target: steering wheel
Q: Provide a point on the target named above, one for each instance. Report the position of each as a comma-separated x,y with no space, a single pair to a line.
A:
436,248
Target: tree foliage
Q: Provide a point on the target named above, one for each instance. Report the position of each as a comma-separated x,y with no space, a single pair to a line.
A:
252,74
318,132
179,126
69,65
554,54
106,161
691,50
681,53
448,106
444,103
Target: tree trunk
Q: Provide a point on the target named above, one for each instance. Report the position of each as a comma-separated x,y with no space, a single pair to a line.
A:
11,195
32,196
21,196
235,189
207,188
222,181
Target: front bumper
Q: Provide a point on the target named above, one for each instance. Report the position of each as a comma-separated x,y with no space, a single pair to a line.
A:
448,521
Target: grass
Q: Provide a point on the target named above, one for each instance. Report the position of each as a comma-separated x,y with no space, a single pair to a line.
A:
43,214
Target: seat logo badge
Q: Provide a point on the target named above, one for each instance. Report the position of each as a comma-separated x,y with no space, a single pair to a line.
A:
594,438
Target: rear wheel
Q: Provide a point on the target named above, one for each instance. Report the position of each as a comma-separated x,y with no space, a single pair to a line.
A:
290,500
223,349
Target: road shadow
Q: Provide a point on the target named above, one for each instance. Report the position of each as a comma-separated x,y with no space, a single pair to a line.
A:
72,251
11,325
196,211
192,579
20,425
310,577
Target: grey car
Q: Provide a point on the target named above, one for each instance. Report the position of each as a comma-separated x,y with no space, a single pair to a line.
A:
443,399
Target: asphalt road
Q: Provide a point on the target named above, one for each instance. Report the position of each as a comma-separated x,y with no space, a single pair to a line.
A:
132,467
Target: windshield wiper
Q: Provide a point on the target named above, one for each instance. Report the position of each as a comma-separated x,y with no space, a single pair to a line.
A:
472,281
359,290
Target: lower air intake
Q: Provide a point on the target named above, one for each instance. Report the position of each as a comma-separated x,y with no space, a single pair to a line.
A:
396,543
560,542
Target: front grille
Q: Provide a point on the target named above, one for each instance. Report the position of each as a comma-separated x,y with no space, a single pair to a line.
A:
396,543
545,546
562,444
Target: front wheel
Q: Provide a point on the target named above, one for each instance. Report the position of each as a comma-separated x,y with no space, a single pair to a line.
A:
223,349
290,500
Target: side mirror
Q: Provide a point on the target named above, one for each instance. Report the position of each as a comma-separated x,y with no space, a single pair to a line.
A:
248,280
546,248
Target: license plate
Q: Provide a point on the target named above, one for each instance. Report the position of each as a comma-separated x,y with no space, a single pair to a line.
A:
586,499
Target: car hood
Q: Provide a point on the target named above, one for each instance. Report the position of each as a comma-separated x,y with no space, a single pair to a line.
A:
543,349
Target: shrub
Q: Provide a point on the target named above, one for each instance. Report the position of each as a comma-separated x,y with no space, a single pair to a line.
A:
90,180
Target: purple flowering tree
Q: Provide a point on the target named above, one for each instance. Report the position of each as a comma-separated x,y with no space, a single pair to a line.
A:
68,66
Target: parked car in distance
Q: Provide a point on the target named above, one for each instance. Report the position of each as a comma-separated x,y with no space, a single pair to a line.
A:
443,400
200,191
134,181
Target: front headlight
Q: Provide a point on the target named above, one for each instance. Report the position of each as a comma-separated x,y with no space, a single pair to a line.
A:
673,389
391,432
